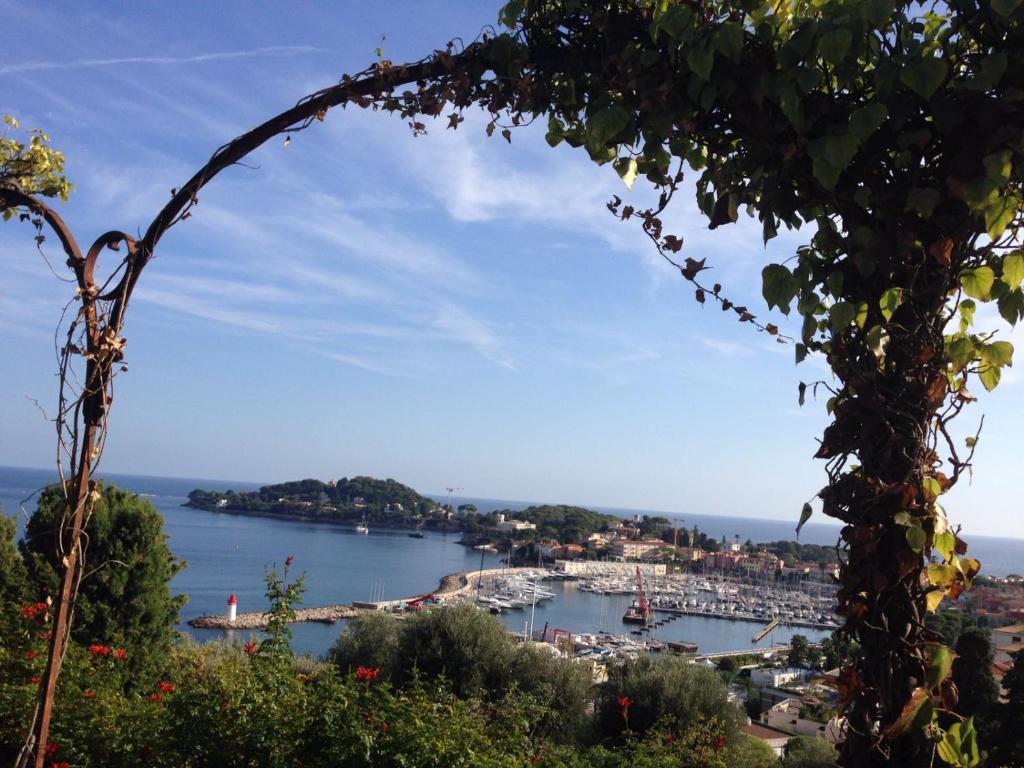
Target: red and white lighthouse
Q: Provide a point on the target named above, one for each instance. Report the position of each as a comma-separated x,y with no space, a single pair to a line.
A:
232,607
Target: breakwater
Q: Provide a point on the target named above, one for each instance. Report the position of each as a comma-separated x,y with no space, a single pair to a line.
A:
451,586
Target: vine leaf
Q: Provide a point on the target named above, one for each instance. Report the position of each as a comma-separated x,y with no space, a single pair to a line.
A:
925,76
977,283
805,515
910,711
939,665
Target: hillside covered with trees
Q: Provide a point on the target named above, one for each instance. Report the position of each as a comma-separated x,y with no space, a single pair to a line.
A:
384,502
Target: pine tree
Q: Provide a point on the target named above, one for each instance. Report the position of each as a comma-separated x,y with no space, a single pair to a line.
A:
124,599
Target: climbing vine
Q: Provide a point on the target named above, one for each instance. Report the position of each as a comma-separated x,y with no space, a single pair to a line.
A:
892,131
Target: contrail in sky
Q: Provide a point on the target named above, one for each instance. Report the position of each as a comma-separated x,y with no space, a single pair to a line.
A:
34,66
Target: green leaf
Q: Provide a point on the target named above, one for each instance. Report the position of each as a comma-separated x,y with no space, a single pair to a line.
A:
925,76
977,283
834,45
1005,7
626,168
999,214
939,665
990,376
778,286
966,310
960,352
728,40
997,353
922,202
510,12
916,538
969,744
1011,306
945,543
866,120
890,302
999,167
1013,269
841,314
949,748
805,515
701,58
931,487
606,124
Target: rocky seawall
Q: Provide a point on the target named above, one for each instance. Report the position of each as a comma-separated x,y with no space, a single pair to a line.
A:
327,614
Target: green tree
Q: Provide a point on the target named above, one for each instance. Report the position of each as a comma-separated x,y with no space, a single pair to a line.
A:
369,640
124,599
748,752
471,649
799,650
13,575
1007,727
809,752
669,692
972,673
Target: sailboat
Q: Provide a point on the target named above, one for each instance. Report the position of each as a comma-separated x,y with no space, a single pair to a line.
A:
361,526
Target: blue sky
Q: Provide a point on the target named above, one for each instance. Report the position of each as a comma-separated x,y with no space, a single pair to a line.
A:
444,310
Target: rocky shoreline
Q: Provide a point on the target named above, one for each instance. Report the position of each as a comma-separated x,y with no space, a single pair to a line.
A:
395,526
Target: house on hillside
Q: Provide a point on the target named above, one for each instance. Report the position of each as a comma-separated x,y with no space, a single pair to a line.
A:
1007,641
773,737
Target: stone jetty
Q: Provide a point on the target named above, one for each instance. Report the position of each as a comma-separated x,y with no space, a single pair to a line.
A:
453,585
327,614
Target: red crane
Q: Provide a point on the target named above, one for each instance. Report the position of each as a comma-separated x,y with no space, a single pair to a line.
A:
640,612
642,603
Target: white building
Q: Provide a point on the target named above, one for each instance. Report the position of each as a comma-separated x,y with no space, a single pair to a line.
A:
772,677
605,568
514,525
786,717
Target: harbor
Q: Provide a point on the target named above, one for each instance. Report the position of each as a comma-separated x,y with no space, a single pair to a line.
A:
627,614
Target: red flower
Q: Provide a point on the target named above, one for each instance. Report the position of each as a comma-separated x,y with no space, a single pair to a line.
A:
120,654
720,742
51,749
384,727
99,650
89,694
155,697
625,703
165,687
61,764
288,561
36,679
31,655
251,647
367,674
30,612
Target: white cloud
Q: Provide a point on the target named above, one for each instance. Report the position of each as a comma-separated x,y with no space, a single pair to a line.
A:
270,50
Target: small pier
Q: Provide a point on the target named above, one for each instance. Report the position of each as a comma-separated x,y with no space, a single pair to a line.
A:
764,632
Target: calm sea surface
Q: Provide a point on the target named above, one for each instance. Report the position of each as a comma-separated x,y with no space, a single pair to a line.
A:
228,553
